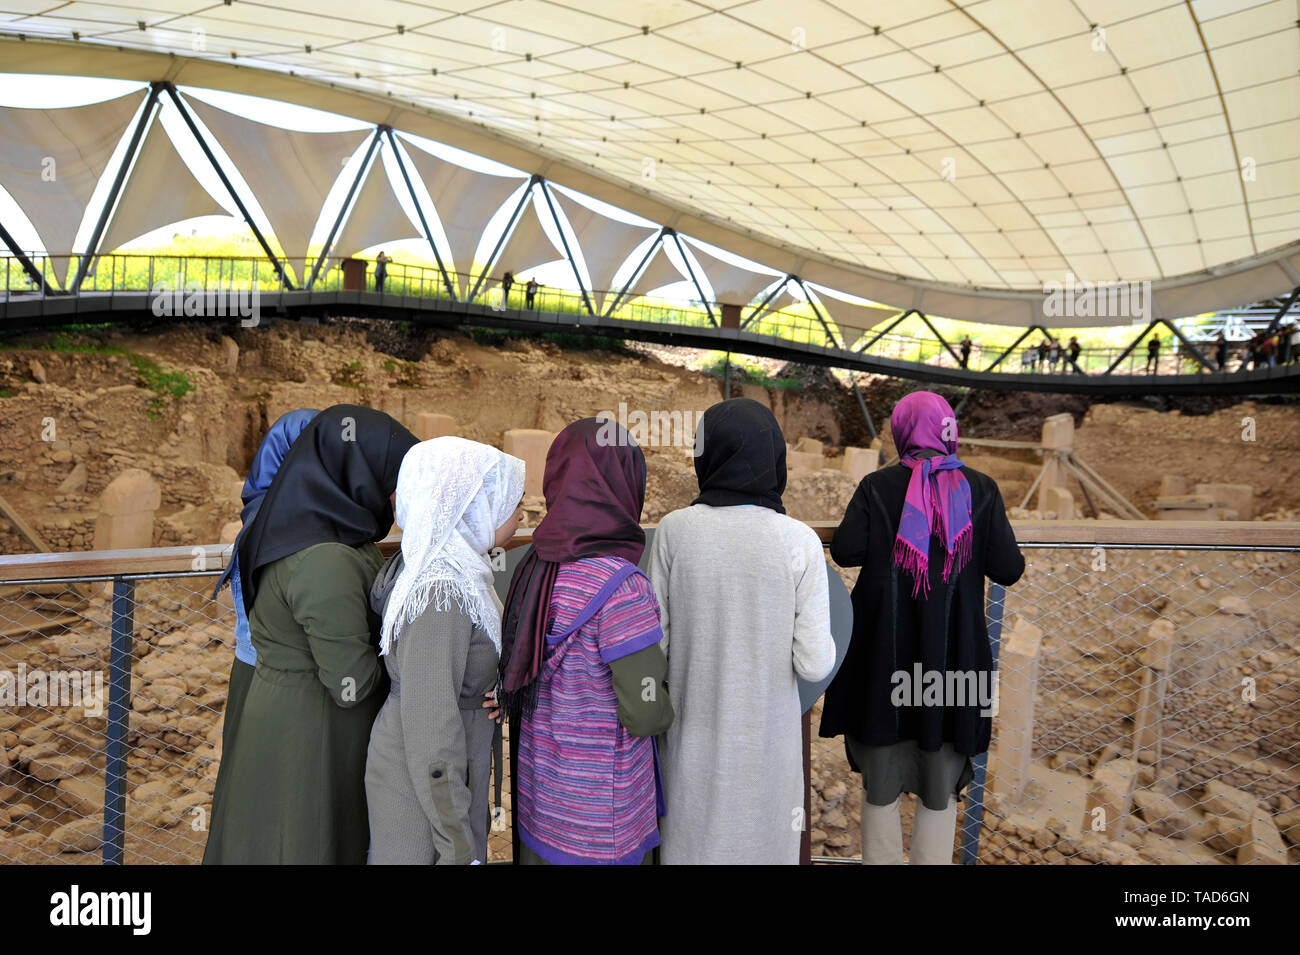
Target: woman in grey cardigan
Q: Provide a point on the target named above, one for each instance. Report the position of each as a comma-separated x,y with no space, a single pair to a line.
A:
745,614
428,764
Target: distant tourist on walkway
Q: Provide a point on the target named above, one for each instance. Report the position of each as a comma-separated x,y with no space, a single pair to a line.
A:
530,292
1043,349
582,670
1221,352
1267,354
293,778
965,351
926,532
429,761
1153,354
1075,349
1251,357
381,270
1053,354
507,283
745,616
1029,358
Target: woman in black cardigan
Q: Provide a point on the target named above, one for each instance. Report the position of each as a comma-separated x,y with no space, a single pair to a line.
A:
914,696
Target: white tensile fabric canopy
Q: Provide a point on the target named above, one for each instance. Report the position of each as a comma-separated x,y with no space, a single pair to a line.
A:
376,214
658,272
139,209
51,159
957,158
290,172
731,283
463,201
606,243
528,245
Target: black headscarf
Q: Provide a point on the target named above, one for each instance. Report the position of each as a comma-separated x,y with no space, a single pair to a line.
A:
740,456
333,486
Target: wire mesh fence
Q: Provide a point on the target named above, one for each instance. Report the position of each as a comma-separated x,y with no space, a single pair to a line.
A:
1149,712
1149,709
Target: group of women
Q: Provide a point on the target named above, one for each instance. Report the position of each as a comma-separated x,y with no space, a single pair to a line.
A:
654,714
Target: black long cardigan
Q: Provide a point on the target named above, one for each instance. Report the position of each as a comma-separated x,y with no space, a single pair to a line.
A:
892,631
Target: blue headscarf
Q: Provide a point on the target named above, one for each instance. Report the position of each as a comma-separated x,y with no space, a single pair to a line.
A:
279,438
270,453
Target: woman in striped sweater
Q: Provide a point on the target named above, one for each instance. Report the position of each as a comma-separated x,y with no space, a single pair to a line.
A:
582,674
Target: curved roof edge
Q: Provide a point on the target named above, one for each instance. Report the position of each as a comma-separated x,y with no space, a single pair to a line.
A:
1266,275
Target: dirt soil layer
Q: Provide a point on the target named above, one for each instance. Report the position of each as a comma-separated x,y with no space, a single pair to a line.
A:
189,405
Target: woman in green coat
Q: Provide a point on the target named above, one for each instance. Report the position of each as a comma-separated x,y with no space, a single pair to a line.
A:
293,777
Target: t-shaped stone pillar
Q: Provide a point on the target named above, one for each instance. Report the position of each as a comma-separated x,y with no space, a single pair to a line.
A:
1057,440
430,425
1014,734
859,462
126,511
530,445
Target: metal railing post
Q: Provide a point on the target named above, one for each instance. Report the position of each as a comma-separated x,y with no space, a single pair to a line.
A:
119,715
970,836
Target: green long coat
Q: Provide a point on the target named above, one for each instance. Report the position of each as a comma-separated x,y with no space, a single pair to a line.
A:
291,786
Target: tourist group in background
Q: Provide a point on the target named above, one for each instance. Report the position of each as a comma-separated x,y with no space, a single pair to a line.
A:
654,715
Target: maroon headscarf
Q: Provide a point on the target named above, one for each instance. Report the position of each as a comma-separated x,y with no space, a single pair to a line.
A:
595,489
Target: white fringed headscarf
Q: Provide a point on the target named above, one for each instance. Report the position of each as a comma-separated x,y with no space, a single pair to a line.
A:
452,495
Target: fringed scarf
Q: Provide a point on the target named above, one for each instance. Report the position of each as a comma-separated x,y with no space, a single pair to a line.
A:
452,495
938,501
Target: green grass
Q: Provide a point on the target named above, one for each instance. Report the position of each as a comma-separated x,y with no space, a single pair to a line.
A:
163,382
67,341
350,375
748,374
568,341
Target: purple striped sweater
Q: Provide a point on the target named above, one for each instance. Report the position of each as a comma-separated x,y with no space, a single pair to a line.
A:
587,787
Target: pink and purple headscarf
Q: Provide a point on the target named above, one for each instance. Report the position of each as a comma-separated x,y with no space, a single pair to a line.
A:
938,499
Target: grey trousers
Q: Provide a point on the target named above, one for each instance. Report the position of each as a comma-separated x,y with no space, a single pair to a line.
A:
932,834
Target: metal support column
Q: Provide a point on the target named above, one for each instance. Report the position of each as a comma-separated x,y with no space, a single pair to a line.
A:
818,312
119,716
345,209
1132,345
1012,347
28,266
510,227
862,403
758,309
1281,312
1196,352
698,287
225,181
568,252
424,223
636,273
115,190
970,830
942,340
886,330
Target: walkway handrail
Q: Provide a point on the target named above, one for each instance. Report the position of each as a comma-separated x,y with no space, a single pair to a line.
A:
122,282
209,558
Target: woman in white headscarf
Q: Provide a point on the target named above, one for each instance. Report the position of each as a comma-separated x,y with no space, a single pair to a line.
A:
428,766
